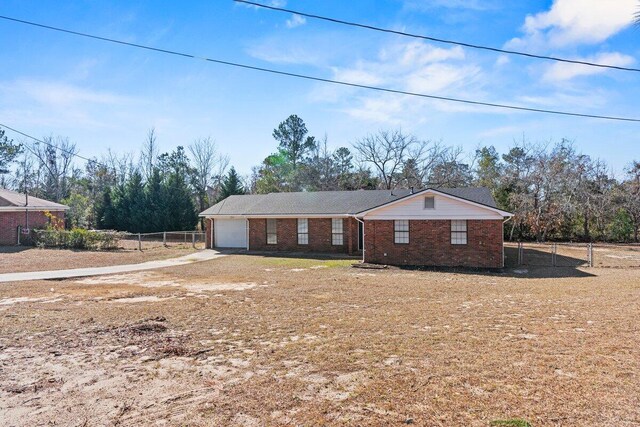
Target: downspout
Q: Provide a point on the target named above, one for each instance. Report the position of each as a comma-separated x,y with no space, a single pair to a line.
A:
503,223
362,222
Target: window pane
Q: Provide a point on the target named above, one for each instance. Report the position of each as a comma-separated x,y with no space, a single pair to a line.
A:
337,239
303,225
459,225
429,202
272,231
303,239
401,225
401,237
336,225
458,237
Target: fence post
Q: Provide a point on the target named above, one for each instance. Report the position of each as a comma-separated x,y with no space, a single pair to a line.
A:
19,233
521,253
193,240
164,238
590,254
140,242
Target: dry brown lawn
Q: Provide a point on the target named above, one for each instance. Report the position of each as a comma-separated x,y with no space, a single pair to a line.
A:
250,341
18,259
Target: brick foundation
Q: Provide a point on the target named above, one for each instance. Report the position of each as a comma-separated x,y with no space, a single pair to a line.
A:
319,236
430,244
9,222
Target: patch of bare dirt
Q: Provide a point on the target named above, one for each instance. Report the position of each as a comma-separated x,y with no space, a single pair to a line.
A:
195,345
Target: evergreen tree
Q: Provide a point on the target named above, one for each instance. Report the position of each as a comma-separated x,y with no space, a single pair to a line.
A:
181,210
156,208
136,204
231,185
104,211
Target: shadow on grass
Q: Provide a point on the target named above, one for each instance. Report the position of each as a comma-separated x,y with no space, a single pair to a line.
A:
14,249
569,266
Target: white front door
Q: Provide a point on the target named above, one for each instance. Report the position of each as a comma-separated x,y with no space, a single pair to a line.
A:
230,233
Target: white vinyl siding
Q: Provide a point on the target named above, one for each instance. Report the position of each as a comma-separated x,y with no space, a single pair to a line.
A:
458,232
430,202
401,231
446,208
337,232
303,231
272,232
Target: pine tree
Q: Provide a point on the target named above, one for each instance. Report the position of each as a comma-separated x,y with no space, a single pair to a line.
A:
136,204
181,210
231,185
155,192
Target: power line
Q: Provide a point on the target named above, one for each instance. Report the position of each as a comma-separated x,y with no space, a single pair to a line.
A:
438,40
325,80
71,153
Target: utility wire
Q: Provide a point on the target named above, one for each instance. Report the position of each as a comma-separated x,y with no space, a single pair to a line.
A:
52,146
435,39
324,80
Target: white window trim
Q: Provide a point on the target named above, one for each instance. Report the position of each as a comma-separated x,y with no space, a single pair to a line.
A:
396,232
459,233
275,235
304,232
425,202
335,235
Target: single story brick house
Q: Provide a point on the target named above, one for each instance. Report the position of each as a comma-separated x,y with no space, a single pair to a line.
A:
18,211
430,227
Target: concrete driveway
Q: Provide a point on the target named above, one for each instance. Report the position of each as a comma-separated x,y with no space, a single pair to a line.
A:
205,255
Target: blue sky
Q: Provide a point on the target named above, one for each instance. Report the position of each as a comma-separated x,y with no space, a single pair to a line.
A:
103,96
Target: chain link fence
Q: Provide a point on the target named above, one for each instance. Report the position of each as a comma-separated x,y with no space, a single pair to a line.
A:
168,239
604,255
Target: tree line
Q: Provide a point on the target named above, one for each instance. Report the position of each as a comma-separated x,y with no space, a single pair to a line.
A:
555,191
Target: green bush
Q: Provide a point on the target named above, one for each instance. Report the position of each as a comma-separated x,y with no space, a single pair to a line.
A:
76,238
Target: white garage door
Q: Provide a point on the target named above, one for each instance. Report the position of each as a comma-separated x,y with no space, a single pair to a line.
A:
230,233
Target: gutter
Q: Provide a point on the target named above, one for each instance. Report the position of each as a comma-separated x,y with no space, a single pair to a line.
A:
503,223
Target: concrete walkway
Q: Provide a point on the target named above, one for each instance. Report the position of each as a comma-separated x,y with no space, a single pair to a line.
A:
112,269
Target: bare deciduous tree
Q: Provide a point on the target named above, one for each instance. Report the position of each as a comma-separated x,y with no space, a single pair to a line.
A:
54,159
149,154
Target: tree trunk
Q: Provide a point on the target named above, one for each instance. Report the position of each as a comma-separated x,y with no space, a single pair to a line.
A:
586,227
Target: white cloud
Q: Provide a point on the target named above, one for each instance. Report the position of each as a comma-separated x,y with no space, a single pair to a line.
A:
62,95
424,5
53,103
574,22
296,21
413,66
562,71
279,51
274,3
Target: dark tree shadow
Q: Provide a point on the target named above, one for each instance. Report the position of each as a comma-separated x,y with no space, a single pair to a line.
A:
567,266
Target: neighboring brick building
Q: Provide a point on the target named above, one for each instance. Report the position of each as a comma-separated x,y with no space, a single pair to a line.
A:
20,212
432,227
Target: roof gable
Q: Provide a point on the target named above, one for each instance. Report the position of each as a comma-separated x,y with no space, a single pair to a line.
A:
445,206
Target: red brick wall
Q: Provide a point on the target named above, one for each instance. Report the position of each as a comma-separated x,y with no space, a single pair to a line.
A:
430,244
9,222
319,236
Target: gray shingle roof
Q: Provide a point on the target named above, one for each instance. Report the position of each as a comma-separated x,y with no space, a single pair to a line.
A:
329,202
12,199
